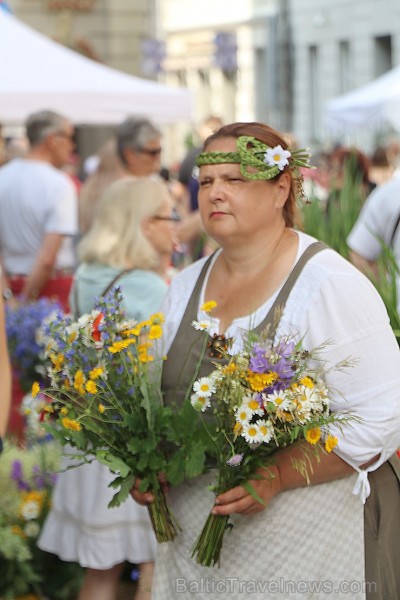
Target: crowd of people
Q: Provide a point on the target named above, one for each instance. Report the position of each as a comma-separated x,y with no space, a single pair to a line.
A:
237,192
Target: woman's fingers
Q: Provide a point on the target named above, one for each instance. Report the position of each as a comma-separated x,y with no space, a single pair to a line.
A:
239,501
141,497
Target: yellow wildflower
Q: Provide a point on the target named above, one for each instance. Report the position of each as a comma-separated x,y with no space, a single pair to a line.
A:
313,435
237,429
143,354
35,389
330,443
259,381
79,381
72,337
101,408
229,369
307,382
71,424
91,387
96,372
121,345
64,410
155,332
157,319
57,360
208,306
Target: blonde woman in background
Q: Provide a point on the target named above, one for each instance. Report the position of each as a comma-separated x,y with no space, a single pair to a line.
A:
135,224
109,169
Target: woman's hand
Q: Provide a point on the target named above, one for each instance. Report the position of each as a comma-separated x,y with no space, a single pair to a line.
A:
239,501
145,498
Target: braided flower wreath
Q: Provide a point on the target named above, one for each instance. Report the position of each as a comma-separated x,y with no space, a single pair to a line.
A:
266,161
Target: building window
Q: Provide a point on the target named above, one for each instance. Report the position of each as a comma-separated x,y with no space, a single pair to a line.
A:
383,54
345,70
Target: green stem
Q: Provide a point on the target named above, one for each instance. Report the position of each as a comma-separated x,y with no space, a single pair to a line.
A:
207,549
164,523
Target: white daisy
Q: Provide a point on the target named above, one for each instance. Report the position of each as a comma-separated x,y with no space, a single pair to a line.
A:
200,325
30,510
277,156
280,399
32,529
266,430
243,414
200,403
251,433
204,386
251,402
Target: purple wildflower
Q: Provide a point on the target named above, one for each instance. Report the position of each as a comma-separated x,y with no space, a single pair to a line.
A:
259,362
17,475
235,460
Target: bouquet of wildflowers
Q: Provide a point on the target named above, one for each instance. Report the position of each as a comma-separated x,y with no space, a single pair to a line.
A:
23,324
263,399
26,480
105,399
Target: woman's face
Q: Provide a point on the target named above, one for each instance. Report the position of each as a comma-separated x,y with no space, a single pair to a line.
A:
160,228
233,207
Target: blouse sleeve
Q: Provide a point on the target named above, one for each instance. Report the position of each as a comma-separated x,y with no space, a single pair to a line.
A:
348,311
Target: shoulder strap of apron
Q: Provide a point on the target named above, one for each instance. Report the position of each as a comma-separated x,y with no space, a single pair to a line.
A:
283,295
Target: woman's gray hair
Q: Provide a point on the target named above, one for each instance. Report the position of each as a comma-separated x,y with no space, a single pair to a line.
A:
116,237
135,134
39,125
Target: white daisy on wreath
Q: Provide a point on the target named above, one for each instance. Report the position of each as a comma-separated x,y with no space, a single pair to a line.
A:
277,156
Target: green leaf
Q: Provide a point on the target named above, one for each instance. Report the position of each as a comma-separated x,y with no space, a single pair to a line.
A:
124,491
176,467
115,464
195,459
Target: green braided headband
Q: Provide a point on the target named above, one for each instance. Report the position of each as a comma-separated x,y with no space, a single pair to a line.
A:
253,153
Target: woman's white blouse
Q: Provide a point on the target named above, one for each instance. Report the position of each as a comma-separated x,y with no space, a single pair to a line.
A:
331,302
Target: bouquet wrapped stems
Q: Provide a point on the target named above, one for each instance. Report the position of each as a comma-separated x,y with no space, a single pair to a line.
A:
208,546
165,526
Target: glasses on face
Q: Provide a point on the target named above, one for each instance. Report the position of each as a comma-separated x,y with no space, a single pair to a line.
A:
172,218
154,152
67,136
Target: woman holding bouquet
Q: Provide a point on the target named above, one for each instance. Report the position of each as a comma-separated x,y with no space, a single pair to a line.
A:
302,541
129,245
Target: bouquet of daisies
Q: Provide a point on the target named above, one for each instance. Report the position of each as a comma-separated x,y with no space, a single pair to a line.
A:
104,399
266,397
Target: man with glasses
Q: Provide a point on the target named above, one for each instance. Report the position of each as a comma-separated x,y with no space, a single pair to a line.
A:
139,146
38,220
38,213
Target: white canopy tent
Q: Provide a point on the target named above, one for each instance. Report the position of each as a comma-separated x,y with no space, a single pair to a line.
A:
37,73
374,105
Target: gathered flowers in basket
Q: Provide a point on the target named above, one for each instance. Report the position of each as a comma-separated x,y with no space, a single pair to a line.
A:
104,399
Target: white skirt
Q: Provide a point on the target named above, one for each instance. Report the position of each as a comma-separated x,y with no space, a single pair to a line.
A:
307,544
81,528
